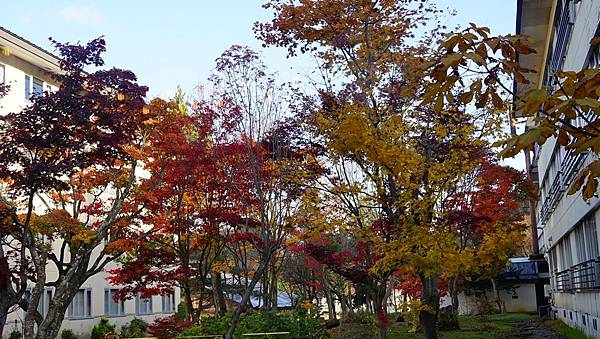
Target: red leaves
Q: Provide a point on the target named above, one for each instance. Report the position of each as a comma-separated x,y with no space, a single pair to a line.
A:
344,262
76,127
168,327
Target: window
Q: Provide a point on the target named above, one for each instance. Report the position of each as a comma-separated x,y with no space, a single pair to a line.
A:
566,256
38,87
168,303
112,307
587,239
44,302
81,306
2,78
27,87
143,305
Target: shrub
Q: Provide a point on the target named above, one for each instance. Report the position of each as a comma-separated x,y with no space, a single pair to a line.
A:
300,323
410,313
360,317
15,334
168,327
103,329
181,311
67,334
136,328
191,331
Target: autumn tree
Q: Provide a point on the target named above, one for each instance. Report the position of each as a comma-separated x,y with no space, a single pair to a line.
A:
564,109
487,213
380,117
275,163
13,256
68,163
191,203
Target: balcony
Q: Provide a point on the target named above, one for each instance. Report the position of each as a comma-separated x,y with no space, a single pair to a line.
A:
584,276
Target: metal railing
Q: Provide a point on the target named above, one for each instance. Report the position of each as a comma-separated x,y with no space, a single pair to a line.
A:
569,168
563,280
580,277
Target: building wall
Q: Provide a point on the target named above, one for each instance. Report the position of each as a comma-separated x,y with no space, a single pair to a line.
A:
15,70
578,308
522,299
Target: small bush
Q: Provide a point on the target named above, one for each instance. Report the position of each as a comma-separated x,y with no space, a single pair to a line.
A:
360,317
410,313
135,329
103,329
300,323
168,327
67,334
191,331
181,313
15,334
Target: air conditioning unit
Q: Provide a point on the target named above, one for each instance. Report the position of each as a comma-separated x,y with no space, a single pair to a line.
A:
547,291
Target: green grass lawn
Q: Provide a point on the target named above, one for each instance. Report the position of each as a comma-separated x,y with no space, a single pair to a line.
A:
565,330
471,327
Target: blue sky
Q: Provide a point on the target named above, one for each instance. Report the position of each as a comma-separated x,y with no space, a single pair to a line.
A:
170,43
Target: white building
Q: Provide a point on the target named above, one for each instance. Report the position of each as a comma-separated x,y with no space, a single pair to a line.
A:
25,66
567,231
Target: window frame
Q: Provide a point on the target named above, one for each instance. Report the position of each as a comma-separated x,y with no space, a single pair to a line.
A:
44,303
27,87
37,81
108,299
139,301
87,305
168,300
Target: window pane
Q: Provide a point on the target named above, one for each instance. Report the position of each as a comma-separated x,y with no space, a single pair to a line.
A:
27,87
38,87
2,78
114,306
106,300
89,303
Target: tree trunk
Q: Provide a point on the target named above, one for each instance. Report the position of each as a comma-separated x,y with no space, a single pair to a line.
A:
246,298
220,304
453,291
430,299
343,305
32,315
64,294
273,288
328,296
380,309
497,296
189,306
264,289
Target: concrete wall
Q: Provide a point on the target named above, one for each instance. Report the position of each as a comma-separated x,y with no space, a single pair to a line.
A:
572,308
522,300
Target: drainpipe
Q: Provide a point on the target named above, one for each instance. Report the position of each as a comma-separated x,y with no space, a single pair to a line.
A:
535,246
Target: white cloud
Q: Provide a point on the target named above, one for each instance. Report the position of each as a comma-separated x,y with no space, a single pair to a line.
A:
83,14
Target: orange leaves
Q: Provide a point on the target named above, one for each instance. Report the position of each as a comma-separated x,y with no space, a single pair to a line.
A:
134,151
587,181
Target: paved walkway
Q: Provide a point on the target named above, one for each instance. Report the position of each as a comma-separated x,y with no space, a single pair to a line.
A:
535,329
